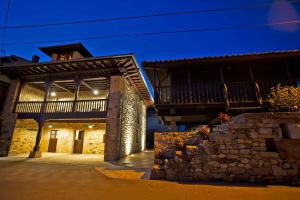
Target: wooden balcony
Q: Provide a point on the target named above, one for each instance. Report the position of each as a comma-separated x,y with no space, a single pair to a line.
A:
62,109
228,94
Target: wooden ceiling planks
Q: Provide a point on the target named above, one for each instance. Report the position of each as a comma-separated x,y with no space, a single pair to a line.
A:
84,68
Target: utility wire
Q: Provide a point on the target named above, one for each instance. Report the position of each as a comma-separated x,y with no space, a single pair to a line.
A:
247,26
246,6
4,29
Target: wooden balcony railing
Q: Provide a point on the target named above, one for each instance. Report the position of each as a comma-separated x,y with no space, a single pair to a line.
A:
61,106
210,93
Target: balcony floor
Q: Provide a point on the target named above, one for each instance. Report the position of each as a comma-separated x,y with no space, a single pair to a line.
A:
53,116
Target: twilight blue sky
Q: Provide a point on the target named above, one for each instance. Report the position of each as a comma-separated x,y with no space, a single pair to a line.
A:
173,46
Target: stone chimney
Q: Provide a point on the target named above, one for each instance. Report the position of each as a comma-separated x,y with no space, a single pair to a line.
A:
35,59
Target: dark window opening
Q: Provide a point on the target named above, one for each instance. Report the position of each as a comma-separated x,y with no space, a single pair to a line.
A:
284,131
271,145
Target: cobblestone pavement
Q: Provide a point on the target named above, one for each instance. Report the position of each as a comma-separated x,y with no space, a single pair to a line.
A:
27,179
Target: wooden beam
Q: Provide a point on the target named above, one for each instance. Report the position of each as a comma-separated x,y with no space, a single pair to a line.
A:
61,87
87,85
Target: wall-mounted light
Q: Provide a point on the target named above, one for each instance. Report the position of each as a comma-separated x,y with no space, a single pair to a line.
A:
95,92
53,94
91,126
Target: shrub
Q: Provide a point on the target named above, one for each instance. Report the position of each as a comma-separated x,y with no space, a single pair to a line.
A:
284,98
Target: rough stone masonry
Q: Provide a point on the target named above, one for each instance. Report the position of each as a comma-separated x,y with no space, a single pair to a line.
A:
250,148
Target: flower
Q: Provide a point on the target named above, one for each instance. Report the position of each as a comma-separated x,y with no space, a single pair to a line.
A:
224,117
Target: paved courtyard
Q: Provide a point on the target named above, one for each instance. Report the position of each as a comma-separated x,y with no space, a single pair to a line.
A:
53,177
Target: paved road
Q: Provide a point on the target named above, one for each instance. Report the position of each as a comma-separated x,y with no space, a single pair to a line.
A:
20,179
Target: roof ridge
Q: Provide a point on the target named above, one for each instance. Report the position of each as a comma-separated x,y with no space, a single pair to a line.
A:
226,56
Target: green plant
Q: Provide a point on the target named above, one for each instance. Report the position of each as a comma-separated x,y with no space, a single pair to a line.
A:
284,98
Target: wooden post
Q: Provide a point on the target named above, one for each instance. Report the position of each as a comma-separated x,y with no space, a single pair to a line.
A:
155,86
257,89
288,72
221,74
78,82
47,88
189,85
225,89
36,153
22,85
251,73
227,105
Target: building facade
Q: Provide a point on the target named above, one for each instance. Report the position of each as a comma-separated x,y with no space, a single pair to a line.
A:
193,91
76,103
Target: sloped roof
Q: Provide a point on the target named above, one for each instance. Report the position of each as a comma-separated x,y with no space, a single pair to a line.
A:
68,47
250,56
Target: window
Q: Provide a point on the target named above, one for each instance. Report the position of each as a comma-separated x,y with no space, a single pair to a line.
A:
53,134
79,134
271,145
65,56
284,131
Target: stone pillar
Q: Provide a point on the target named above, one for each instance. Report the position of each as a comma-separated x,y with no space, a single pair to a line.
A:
113,121
36,153
8,117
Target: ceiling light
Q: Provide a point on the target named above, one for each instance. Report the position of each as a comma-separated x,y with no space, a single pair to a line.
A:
90,126
95,92
53,94
50,126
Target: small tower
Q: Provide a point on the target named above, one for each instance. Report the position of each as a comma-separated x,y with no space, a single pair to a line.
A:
66,52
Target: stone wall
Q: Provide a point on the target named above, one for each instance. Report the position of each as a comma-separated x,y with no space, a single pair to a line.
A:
133,121
29,93
249,148
126,120
9,118
25,134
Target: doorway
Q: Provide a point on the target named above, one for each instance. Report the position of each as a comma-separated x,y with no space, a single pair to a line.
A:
53,141
78,141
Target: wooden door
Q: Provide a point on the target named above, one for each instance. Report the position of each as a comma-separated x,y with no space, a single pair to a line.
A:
78,141
53,141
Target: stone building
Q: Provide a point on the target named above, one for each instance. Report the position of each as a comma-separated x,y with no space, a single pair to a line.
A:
76,103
